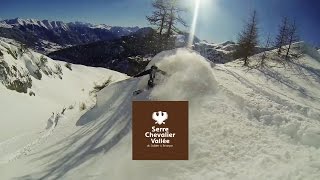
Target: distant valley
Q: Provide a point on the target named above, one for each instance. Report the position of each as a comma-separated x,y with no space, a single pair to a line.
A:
46,36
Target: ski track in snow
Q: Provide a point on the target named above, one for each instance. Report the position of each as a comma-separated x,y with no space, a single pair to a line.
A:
41,137
241,127
273,99
28,148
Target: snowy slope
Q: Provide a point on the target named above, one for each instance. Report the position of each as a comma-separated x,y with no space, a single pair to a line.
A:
244,124
24,116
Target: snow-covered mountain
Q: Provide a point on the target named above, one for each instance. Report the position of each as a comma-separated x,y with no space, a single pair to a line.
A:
10,23
220,52
46,36
260,123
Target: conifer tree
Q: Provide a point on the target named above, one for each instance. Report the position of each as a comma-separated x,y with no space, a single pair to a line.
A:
282,37
159,15
248,39
292,37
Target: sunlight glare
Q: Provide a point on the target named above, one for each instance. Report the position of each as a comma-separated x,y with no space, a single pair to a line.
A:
194,23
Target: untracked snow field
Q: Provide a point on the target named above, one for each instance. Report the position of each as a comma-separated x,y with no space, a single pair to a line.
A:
245,123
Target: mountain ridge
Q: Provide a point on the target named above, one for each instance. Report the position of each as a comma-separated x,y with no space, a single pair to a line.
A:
46,36
9,23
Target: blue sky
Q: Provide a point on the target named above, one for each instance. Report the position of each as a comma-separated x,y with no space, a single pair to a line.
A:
219,20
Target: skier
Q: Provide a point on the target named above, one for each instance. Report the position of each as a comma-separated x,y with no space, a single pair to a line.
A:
152,75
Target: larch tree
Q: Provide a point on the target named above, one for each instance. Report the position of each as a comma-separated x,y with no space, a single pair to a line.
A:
248,39
174,18
159,15
292,36
282,37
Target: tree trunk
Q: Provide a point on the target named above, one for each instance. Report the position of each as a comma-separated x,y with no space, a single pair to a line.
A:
162,23
170,23
288,50
279,50
245,61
